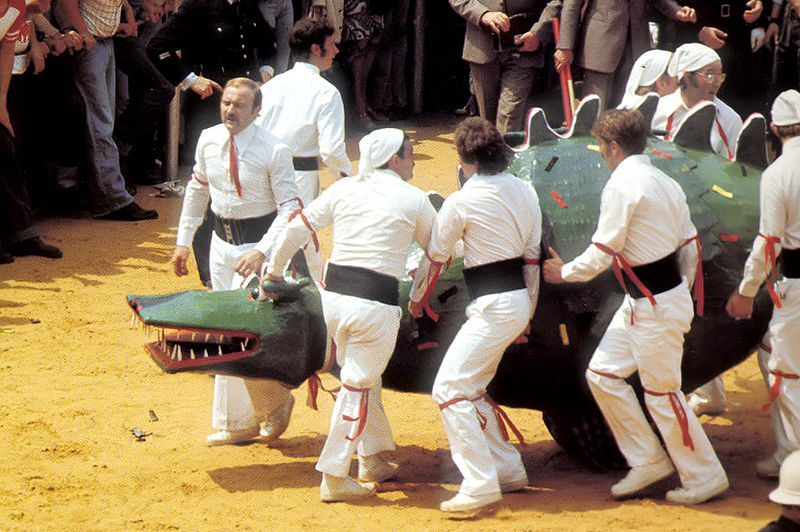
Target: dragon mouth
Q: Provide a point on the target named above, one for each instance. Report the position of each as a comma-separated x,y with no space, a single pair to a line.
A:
180,348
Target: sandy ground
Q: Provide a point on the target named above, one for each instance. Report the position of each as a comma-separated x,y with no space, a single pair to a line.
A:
76,380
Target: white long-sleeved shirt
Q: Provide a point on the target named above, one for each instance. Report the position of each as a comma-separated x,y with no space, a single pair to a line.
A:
374,222
497,217
779,206
265,174
305,111
671,109
643,216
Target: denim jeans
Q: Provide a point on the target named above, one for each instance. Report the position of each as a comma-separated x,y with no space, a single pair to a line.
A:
95,78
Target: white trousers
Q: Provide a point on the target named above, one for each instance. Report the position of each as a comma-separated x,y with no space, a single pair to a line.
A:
483,457
308,187
784,335
238,403
365,333
653,346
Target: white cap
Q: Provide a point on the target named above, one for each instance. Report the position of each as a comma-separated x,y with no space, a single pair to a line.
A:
377,148
691,57
646,70
788,490
786,108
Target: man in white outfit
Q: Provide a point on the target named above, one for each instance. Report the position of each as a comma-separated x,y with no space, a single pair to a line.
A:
247,175
645,231
305,112
649,74
699,72
375,216
498,218
779,234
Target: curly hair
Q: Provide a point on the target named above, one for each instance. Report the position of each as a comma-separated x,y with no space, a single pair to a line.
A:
479,142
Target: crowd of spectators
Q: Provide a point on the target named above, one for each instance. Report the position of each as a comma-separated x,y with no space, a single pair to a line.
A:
107,70
103,69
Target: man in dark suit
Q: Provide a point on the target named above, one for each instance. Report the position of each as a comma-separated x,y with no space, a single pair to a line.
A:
606,38
503,79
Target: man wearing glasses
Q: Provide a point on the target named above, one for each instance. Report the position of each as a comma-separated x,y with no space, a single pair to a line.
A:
699,72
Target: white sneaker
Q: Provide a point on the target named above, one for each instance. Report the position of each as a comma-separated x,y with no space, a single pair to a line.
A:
278,420
469,503
640,477
768,468
341,489
227,437
373,468
701,493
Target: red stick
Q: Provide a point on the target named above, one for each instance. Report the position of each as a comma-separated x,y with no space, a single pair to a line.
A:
566,81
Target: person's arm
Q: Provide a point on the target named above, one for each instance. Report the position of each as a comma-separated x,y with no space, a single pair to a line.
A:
195,201
315,216
330,136
569,24
447,229
772,220
284,190
129,28
616,211
773,26
75,20
6,67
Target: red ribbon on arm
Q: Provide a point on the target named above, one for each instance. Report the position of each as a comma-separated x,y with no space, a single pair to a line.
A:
699,287
771,259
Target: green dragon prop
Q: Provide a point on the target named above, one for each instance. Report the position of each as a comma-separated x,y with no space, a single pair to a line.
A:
278,332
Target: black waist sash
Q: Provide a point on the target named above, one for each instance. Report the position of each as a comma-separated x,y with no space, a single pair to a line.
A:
495,277
659,276
361,282
790,263
243,230
305,164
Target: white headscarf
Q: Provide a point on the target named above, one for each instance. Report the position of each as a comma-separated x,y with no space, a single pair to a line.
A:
377,148
786,108
646,70
691,57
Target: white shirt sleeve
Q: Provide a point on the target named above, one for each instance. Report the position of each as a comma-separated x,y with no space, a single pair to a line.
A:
195,200
616,211
284,190
772,222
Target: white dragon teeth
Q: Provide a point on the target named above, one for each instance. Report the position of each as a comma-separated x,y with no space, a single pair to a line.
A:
219,346
191,353
243,346
175,351
205,353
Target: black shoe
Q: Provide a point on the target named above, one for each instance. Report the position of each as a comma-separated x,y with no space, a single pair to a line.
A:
34,246
5,258
130,213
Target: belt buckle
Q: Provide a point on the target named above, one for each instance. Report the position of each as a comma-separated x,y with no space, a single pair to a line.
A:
228,232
